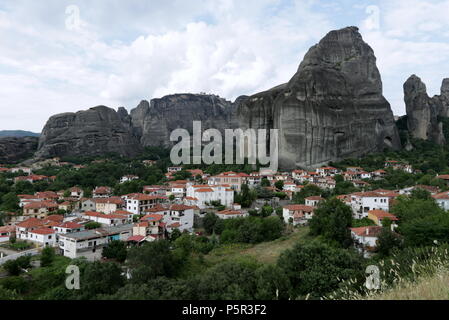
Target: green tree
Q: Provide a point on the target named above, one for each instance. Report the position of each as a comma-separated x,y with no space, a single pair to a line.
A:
265,182
115,250
92,225
100,278
279,184
332,220
317,269
152,260
209,221
47,256
387,241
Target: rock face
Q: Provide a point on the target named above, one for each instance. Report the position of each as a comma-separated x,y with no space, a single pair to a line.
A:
154,121
332,108
17,149
423,112
97,131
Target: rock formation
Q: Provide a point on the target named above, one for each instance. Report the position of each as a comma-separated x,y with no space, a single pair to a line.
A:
332,108
423,112
97,131
154,121
16,149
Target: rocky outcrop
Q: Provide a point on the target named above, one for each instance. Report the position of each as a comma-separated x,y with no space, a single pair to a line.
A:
423,112
332,108
97,131
154,121
17,149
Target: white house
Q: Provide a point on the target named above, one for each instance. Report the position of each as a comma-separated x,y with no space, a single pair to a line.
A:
297,214
205,194
442,199
366,237
231,214
363,202
138,203
176,216
128,178
313,201
108,219
43,236
6,232
90,243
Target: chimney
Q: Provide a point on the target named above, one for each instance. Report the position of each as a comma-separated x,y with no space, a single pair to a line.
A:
367,230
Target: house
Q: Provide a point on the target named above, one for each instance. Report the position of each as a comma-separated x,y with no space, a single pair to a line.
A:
102,192
297,174
327,171
108,219
42,236
6,232
366,238
67,206
177,190
32,178
289,186
377,216
378,174
231,214
360,184
205,194
155,190
88,205
68,227
128,178
90,243
233,179
26,226
76,192
21,169
363,202
174,169
176,216
137,203
108,205
39,209
253,180
431,189
297,214
442,199
313,201
151,227
445,178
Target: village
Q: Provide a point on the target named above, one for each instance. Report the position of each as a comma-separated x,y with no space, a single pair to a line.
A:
79,226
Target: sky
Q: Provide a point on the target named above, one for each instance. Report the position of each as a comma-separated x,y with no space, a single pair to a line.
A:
63,56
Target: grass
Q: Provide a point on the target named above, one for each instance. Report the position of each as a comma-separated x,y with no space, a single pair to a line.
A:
265,252
426,288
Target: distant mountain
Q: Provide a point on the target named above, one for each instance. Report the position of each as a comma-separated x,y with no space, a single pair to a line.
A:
18,133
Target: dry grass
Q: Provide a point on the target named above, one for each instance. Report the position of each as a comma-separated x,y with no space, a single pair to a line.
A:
426,288
266,252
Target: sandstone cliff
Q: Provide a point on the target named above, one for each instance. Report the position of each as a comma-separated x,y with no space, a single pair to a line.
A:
16,149
423,112
332,108
96,131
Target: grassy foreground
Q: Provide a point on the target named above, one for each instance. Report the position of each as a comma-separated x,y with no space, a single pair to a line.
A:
434,287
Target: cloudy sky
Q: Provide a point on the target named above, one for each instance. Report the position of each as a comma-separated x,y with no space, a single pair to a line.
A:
62,56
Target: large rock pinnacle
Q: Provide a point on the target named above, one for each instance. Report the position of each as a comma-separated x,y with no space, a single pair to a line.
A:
332,108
